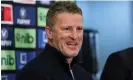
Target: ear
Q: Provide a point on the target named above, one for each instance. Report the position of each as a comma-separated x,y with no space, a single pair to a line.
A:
49,32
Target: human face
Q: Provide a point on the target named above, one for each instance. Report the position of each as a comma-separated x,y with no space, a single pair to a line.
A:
67,34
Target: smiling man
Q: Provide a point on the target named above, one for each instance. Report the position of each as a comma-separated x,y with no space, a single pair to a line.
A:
67,34
64,28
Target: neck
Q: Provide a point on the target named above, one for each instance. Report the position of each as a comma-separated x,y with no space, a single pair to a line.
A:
49,42
69,61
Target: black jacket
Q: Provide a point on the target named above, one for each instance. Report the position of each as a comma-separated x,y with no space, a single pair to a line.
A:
51,65
119,66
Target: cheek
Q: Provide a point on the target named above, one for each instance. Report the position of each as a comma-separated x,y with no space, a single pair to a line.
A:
63,36
80,37
60,38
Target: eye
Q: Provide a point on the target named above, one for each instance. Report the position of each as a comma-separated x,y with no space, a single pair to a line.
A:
67,28
79,28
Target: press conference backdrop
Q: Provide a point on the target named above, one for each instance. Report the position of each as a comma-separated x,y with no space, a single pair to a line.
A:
23,36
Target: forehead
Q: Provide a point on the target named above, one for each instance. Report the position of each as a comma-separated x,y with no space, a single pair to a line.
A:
69,19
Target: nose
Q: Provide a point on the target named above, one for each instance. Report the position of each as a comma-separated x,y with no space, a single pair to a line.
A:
74,34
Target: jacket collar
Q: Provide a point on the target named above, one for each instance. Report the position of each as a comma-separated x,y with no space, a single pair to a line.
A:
60,56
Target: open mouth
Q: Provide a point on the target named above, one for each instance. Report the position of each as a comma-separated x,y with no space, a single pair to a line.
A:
72,45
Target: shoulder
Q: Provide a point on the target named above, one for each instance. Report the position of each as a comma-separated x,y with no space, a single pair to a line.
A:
126,53
118,58
116,67
114,57
123,55
42,64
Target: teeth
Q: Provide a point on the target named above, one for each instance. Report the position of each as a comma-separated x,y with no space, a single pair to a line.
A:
72,44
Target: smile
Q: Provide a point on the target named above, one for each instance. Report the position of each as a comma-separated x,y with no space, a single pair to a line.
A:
71,45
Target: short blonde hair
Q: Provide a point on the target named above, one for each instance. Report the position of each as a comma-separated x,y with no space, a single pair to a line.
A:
60,7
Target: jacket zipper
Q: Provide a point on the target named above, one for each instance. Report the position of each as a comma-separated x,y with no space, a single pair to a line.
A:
72,74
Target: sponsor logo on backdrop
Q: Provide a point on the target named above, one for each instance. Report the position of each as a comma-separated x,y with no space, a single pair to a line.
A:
8,77
6,14
6,37
25,1
4,77
23,57
24,15
42,12
44,2
42,38
8,60
4,33
25,38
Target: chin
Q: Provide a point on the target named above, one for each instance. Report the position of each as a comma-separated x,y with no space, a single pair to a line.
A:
72,54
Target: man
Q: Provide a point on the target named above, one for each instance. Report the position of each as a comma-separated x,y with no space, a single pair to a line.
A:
119,66
64,28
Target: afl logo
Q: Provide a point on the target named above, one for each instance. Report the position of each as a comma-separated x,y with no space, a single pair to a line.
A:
22,13
4,33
